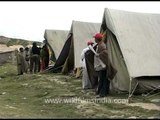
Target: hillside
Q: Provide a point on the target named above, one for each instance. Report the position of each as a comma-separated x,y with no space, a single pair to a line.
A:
14,41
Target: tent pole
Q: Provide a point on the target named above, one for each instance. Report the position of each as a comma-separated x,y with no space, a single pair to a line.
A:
153,95
131,91
130,83
134,89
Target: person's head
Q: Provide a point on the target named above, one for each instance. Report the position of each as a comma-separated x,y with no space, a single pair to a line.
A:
26,49
44,41
90,42
98,37
21,49
34,44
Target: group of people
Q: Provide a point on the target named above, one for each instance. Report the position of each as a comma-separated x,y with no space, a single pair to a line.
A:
36,59
102,66
33,60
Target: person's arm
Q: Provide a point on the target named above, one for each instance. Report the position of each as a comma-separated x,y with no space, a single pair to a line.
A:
91,48
82,56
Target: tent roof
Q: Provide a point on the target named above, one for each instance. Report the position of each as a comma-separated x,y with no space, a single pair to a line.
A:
56,39
138,35
82,32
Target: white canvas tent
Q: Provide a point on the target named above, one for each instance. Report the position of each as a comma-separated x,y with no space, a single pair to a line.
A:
56,40
78,36
133,41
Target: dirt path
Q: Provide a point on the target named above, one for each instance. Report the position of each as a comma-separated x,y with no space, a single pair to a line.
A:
149,106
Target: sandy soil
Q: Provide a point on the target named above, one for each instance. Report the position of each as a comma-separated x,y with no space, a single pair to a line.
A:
4,48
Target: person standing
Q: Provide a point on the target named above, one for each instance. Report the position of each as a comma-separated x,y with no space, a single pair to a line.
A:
27,57
20,61
34,58
39,62
44,56
86,84
106,73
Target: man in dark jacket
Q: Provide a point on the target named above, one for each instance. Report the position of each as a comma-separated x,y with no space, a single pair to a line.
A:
34,58
105,74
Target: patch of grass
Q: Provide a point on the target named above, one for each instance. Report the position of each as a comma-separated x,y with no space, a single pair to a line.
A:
25,97
7,69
